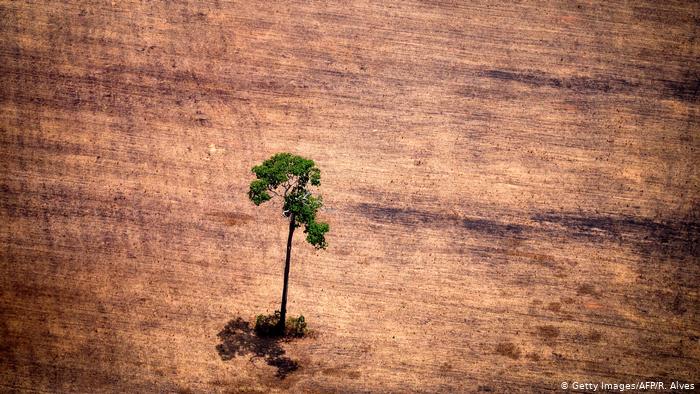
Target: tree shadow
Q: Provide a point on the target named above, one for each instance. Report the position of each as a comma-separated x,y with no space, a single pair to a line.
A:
239,339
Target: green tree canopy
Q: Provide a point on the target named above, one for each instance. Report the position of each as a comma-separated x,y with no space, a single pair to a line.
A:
288,176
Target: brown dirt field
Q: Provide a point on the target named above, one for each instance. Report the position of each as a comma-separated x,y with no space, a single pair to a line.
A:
512,189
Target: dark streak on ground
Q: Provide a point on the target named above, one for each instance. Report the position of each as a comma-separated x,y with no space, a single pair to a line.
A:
415,217
675,237
578,84
685,90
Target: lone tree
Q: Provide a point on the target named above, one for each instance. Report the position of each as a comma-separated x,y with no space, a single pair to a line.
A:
288,176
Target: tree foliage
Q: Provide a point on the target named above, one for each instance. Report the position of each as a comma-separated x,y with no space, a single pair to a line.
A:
289,176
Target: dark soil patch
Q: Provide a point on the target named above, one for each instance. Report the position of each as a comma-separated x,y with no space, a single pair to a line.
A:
548,332
587,289
508,349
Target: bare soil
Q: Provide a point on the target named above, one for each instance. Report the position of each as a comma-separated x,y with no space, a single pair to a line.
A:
512,191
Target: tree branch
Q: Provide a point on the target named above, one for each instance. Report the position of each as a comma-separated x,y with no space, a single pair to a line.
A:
273,191
287,185
294,184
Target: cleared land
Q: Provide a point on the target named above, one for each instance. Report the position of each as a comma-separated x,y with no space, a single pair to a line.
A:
513,193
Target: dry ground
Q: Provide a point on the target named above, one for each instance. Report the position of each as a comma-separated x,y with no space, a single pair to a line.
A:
512,191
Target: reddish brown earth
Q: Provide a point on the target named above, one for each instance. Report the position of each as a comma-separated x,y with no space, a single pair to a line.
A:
512,191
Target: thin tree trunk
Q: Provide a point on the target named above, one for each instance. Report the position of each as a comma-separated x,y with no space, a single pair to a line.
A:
283,309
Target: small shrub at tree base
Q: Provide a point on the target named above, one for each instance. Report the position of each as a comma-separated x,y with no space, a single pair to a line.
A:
295,327
266,325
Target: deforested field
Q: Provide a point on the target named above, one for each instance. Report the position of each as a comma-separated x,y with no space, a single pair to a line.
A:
512,189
